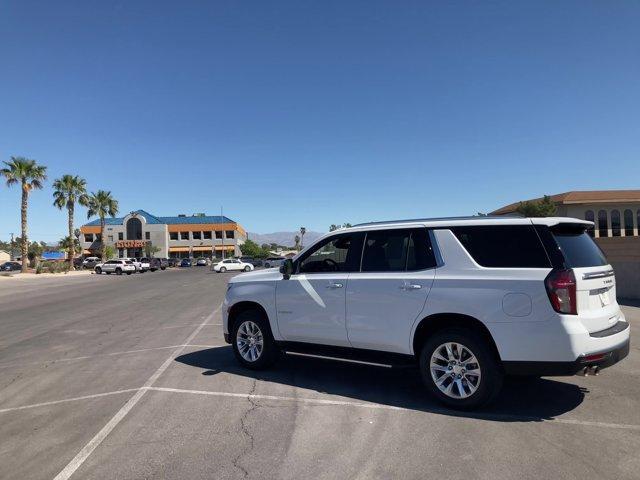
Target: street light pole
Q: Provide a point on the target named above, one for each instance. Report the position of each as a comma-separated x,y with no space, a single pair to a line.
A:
223,232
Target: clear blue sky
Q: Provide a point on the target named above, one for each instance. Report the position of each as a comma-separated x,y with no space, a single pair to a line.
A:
317,112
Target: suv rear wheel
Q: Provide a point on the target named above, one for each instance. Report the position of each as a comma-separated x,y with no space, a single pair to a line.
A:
253,343
460,369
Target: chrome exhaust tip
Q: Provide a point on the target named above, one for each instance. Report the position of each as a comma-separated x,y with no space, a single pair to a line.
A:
590,370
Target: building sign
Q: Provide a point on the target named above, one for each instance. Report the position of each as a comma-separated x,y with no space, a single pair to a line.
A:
130,244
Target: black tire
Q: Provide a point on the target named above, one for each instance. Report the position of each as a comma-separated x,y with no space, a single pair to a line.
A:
98,270
270,351
118,271
247,268
223,269
491,371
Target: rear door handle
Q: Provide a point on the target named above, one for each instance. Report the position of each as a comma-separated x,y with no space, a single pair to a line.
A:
407,286
334,285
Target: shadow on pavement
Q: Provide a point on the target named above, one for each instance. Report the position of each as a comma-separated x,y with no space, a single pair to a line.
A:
521,400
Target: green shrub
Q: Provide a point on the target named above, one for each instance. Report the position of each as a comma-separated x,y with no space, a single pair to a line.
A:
39,268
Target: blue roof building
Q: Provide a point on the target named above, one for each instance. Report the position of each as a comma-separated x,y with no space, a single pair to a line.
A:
140,233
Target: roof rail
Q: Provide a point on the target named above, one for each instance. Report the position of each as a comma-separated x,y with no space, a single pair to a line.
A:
436,219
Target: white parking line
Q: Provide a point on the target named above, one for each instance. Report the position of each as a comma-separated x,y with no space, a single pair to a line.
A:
84,453
87,357
65,400
378,406
316,401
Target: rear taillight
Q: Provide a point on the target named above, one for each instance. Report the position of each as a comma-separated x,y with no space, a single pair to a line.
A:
561,288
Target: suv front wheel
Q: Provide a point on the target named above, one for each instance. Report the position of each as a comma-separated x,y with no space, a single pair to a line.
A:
460,369
253,343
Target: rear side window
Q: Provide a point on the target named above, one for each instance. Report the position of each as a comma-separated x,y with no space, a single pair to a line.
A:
577,247
397,251
503,246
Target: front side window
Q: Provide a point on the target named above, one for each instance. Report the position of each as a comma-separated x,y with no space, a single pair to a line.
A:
340,253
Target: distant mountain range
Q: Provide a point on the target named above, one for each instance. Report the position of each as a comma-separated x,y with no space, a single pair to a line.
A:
283,238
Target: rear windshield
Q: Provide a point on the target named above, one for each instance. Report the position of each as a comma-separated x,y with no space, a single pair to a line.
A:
578,247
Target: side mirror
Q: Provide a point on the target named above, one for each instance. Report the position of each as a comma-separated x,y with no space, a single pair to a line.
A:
286,269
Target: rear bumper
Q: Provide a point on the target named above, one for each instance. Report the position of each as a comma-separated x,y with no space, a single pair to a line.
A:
603,360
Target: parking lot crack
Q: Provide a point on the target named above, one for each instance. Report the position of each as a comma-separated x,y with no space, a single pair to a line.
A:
246,431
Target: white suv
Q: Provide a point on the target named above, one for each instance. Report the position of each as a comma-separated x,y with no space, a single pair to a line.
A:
115,266
469,299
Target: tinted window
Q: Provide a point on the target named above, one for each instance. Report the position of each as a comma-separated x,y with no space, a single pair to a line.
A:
397,251
503,246
577,247
340,253
420,256
386,251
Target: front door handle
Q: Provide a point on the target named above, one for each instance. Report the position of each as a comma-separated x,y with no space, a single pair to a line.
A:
334,285
407,286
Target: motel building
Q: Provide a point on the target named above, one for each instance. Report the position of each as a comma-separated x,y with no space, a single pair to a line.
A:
616,217
183,236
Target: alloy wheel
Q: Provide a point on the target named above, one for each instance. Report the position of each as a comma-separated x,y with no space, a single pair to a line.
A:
249,341
455,370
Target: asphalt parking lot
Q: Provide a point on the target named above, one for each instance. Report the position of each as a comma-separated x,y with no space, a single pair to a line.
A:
129,378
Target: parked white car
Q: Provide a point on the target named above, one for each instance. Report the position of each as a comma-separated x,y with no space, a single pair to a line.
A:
469,300
144,264
118,267
134,262
232,264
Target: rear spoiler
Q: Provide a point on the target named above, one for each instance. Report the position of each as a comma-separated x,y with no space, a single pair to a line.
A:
565,221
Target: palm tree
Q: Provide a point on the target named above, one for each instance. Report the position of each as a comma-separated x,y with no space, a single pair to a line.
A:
70,189
71,245
302,232
29,175
101,204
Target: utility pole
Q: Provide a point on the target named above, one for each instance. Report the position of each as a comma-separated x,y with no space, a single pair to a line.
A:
223,231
